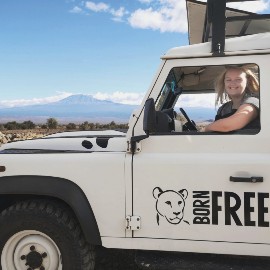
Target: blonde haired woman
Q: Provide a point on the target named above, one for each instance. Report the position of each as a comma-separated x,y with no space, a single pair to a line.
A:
240,86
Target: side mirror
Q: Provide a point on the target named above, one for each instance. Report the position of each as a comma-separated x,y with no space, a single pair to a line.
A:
149,123
153,121
157,121
149,119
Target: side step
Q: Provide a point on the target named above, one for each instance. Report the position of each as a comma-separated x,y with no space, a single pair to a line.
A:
153,260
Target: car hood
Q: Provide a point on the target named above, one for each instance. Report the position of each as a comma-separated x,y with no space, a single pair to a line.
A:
79,141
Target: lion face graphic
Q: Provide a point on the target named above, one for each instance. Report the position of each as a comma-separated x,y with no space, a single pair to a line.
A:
170,204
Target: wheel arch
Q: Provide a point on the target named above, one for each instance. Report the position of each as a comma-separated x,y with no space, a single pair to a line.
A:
58,188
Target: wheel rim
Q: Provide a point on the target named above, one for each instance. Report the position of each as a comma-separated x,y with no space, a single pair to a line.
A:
31,250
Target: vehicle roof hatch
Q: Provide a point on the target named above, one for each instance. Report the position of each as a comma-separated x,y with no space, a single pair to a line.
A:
213,21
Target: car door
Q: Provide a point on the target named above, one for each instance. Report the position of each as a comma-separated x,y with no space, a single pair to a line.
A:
203,187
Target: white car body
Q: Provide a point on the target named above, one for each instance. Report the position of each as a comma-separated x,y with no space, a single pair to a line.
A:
219,216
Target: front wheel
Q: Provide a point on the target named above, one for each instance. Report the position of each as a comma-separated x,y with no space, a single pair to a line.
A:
42,235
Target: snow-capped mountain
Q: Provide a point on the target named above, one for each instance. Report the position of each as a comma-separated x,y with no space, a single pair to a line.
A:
79,108
82,99
75,108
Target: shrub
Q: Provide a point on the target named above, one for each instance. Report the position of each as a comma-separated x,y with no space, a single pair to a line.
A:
70,126
52,123
27,125
12,125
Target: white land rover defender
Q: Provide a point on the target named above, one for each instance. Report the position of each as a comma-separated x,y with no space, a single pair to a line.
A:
161,186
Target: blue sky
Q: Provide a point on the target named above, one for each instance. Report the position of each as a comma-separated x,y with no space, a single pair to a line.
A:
111,49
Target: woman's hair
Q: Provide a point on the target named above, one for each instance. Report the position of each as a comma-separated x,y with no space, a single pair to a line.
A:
252,84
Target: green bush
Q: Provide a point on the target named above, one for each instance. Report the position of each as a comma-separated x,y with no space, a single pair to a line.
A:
70,126
27,125
12,125
52,123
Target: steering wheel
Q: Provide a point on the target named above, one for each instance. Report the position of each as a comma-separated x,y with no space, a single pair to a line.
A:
170,113
190,124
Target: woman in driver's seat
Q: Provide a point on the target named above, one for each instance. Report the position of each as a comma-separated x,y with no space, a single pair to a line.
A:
240,86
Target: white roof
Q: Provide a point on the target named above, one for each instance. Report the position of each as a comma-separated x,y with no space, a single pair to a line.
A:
259,43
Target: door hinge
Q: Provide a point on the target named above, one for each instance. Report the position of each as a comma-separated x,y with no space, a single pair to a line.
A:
133,147
133,223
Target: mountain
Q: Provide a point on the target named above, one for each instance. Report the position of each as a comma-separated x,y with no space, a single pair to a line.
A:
79,108
75,108
82,99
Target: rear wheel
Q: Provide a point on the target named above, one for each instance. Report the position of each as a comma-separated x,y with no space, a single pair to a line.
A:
43,235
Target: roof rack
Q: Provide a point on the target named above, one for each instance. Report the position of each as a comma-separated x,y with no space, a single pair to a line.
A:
215,21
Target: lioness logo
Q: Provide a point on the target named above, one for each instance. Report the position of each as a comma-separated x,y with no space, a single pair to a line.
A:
170,204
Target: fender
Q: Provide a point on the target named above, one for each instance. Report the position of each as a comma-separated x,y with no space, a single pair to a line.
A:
60,188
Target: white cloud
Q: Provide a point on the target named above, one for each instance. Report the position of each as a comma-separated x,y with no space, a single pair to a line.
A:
145,1
100,7
170,16
253,6
33,101
164,15
257,6
161,15
118,97
121,97
202,100
119,12
76,10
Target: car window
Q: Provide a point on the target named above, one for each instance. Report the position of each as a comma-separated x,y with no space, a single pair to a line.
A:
192,93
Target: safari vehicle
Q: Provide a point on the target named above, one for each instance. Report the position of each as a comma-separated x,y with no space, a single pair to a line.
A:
163,185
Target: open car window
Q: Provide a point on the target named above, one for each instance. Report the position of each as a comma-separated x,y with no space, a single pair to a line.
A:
188,98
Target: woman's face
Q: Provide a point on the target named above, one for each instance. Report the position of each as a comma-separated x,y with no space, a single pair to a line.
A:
235,82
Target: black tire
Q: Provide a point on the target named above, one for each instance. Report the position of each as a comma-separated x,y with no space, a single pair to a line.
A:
44,219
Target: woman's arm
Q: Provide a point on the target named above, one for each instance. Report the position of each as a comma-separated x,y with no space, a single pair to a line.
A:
244,115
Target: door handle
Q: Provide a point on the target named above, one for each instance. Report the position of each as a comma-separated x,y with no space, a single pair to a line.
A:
252,179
